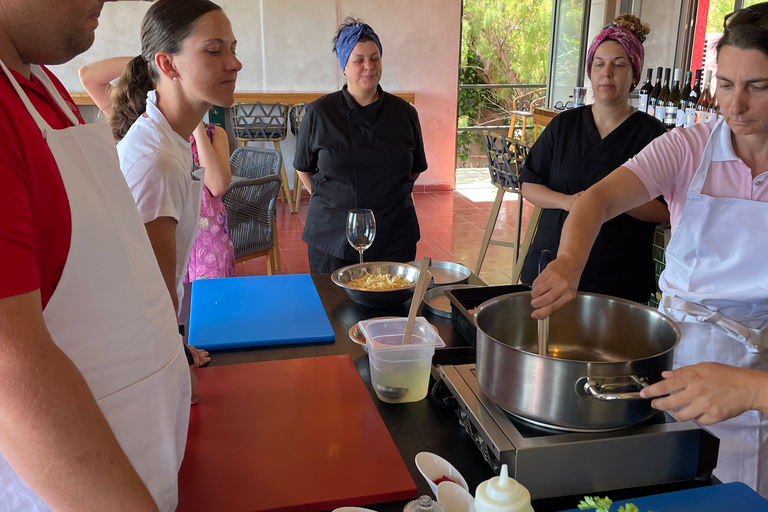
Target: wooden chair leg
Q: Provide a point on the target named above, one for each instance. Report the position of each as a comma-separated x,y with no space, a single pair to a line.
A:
532,225
511,133
270,259
285,188
276,250
525,127
535,132
518,226
296,190
489,229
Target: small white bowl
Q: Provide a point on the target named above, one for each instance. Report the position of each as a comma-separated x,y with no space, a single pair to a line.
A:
433,467
453,497
352,509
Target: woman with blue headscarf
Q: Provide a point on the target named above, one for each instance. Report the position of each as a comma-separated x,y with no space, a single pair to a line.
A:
359,147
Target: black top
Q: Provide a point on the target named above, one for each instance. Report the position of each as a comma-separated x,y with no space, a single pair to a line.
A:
569,157
361,157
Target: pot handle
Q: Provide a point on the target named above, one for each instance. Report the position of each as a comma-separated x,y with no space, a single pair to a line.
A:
604,393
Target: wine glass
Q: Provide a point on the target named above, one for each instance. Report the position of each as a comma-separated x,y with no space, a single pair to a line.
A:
361,229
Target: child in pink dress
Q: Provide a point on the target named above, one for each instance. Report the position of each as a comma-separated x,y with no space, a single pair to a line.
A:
212,254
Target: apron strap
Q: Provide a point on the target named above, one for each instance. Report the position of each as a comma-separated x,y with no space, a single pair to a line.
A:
48,84
697,183
734,329
41,123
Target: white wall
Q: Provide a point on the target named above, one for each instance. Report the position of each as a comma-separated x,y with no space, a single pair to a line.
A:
286,46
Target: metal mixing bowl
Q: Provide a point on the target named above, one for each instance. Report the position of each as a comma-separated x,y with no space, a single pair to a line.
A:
377,298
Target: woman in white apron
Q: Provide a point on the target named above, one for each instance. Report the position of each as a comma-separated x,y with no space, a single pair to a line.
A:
715,283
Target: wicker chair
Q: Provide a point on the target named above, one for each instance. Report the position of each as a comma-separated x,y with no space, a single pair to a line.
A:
505,159
295,116
267,123
522,107
249,163
250,206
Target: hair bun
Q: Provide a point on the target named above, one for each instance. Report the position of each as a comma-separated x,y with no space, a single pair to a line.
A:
634,25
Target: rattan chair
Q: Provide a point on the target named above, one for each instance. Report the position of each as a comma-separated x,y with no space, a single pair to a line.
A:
295,116
522,107
248,163
250,205
254,122
505,159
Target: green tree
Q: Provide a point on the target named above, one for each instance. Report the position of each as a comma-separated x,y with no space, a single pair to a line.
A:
506,42
717,11
503,42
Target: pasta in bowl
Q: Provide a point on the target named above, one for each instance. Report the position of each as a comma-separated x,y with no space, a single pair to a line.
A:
377,284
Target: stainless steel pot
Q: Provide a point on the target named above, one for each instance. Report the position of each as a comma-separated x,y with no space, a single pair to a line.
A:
602,350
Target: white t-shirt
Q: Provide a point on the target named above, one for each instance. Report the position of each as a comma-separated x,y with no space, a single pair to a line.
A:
156,163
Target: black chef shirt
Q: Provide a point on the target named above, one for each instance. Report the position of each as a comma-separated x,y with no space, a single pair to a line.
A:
361,157
569,157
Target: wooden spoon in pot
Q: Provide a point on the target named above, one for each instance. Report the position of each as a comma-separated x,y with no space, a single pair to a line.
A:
543,326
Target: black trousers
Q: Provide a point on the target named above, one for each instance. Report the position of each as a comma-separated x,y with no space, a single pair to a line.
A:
323,263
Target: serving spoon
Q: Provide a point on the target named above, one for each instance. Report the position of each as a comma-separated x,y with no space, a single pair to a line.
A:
418,295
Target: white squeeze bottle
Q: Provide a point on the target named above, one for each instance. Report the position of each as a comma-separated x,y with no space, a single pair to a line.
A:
501,494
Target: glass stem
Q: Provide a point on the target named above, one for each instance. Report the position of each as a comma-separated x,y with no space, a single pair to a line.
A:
361,256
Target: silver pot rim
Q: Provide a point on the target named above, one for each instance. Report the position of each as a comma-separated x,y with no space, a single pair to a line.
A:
664,317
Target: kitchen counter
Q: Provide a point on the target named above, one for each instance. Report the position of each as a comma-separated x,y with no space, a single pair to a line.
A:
427,425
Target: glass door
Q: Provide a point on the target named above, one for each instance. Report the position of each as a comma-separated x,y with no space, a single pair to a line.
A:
570,20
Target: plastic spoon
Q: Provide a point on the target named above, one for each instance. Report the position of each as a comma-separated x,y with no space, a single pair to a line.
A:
543,326
418,296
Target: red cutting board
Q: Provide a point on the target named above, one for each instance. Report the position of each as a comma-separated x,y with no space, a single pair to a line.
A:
298,435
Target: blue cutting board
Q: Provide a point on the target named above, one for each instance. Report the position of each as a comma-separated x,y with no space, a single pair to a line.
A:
731,497
237,312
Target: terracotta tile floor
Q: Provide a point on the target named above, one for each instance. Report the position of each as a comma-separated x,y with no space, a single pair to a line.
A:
452,227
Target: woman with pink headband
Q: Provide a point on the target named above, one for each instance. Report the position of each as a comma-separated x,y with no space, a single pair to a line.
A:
583,145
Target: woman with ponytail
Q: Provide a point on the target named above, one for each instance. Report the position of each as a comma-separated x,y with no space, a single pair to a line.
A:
187,64
213,254
583,145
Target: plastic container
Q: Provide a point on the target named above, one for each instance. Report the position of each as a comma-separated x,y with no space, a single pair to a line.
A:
501,494
400,373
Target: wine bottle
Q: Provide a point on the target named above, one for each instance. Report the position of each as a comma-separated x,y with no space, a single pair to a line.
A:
645,92
697,83
661,103
704,98
713,111
673,102
685,91
693,98
654,97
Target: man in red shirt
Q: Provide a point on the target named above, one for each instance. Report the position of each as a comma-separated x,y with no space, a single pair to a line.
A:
52,432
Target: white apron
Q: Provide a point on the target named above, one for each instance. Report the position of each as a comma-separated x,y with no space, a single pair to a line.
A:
111,313
715,287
